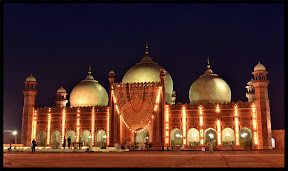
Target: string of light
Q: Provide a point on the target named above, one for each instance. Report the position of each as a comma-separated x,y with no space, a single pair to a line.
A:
254,124
122,119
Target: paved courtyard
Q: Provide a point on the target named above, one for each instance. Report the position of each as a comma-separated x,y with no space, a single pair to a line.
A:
177,159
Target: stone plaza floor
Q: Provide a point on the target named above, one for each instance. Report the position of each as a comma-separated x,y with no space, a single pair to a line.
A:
146,159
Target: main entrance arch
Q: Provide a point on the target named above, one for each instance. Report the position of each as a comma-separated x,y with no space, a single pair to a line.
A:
141,136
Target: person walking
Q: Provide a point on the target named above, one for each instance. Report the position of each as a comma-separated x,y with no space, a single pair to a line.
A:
64,143
33,145
69,141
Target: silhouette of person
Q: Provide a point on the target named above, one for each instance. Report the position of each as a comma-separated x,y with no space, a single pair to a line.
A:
69,141
33,145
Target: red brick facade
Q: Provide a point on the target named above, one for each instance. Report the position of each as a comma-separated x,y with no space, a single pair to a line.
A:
160,119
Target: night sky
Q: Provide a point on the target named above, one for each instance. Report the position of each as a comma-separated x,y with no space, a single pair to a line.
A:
57,42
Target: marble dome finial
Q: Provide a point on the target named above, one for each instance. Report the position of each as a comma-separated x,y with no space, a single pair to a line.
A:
146,52
89,72
208,66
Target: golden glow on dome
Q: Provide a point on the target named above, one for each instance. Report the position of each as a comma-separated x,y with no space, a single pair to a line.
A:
149,71
88,93
259,67
31,78
209,88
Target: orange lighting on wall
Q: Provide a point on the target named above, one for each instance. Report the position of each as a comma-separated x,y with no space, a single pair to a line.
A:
201,120
184,124
34,125
167,125
78,124
158,98
236,110
236,125
255,137
93,126
63,124
218,132
108,128
201,125
217,108
49,126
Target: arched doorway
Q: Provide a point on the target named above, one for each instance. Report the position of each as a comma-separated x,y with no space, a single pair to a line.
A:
85,138
55,138
100,138
41,138
141,136
246,136
273,142
72,135
210,136
176,137
193,137
228,136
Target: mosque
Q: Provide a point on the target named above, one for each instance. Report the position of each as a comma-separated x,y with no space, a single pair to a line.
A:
142,109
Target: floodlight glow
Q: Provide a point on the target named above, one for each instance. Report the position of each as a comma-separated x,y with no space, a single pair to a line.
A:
211,135
244,134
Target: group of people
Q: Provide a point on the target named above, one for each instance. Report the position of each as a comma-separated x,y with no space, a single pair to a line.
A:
138,146
174,148
69,142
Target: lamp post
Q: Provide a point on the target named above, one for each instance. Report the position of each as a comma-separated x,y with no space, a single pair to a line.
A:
15,133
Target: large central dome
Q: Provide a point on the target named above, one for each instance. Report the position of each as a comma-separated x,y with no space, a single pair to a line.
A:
209,88
88,93
149,71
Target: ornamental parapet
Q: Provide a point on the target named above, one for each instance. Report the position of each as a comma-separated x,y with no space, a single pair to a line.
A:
138,84
224,105
71,109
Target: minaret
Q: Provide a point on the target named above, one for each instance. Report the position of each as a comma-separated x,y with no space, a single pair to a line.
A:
61,100
250,91
113,119
163,104
28,109
262,106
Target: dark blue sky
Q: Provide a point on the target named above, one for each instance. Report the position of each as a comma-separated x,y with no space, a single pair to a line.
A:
57,42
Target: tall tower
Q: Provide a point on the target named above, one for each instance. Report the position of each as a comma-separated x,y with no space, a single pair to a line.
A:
28,109
113,119
250,91
262,106
61,100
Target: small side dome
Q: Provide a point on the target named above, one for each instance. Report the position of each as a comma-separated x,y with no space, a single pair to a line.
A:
209,88
250,83
31,78
259,67
88,93
61,90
